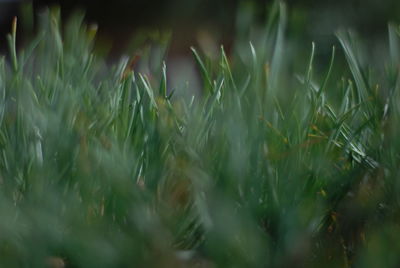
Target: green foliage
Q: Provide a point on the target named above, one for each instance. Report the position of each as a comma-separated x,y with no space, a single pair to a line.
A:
104,167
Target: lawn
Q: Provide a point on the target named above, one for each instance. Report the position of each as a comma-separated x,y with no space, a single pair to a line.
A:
267,165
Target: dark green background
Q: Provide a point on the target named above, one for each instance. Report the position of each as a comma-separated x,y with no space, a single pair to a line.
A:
309,19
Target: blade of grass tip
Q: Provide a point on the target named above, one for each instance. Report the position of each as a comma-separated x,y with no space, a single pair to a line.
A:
346,100
310,66
253,57
204,72
312,91
277,57
92,32
12,40
163,84
225,64
149,91
121,68
354,65
328,75
169,96
254,75
214,99
191,103
354,98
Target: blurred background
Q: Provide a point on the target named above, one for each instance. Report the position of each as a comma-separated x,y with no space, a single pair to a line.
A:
128,26
314,20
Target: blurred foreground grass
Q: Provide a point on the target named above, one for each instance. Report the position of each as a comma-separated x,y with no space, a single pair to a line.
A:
265,167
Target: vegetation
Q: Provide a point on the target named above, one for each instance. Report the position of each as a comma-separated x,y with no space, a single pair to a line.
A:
265,167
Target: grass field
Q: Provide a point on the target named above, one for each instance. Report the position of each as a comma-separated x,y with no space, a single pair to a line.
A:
267,166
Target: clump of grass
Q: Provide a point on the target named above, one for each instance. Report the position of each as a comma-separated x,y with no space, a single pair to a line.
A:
105,167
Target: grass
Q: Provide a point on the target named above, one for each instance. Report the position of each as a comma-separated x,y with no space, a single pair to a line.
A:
109,167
